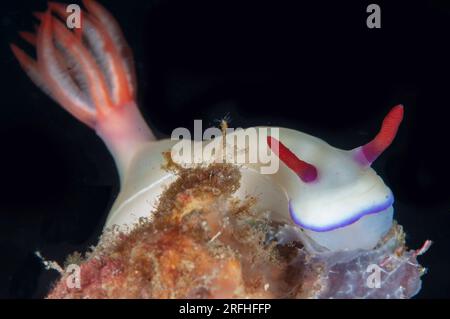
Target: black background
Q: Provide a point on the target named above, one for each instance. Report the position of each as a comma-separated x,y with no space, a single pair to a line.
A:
312,67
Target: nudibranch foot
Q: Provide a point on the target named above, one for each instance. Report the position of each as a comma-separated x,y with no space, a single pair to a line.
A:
362,234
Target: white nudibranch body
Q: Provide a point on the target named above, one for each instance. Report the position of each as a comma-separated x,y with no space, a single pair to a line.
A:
348,206
333,196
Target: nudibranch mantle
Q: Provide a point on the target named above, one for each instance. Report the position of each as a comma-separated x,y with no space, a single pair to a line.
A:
332,195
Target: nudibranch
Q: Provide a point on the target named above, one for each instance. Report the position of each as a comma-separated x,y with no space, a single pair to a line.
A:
332,196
